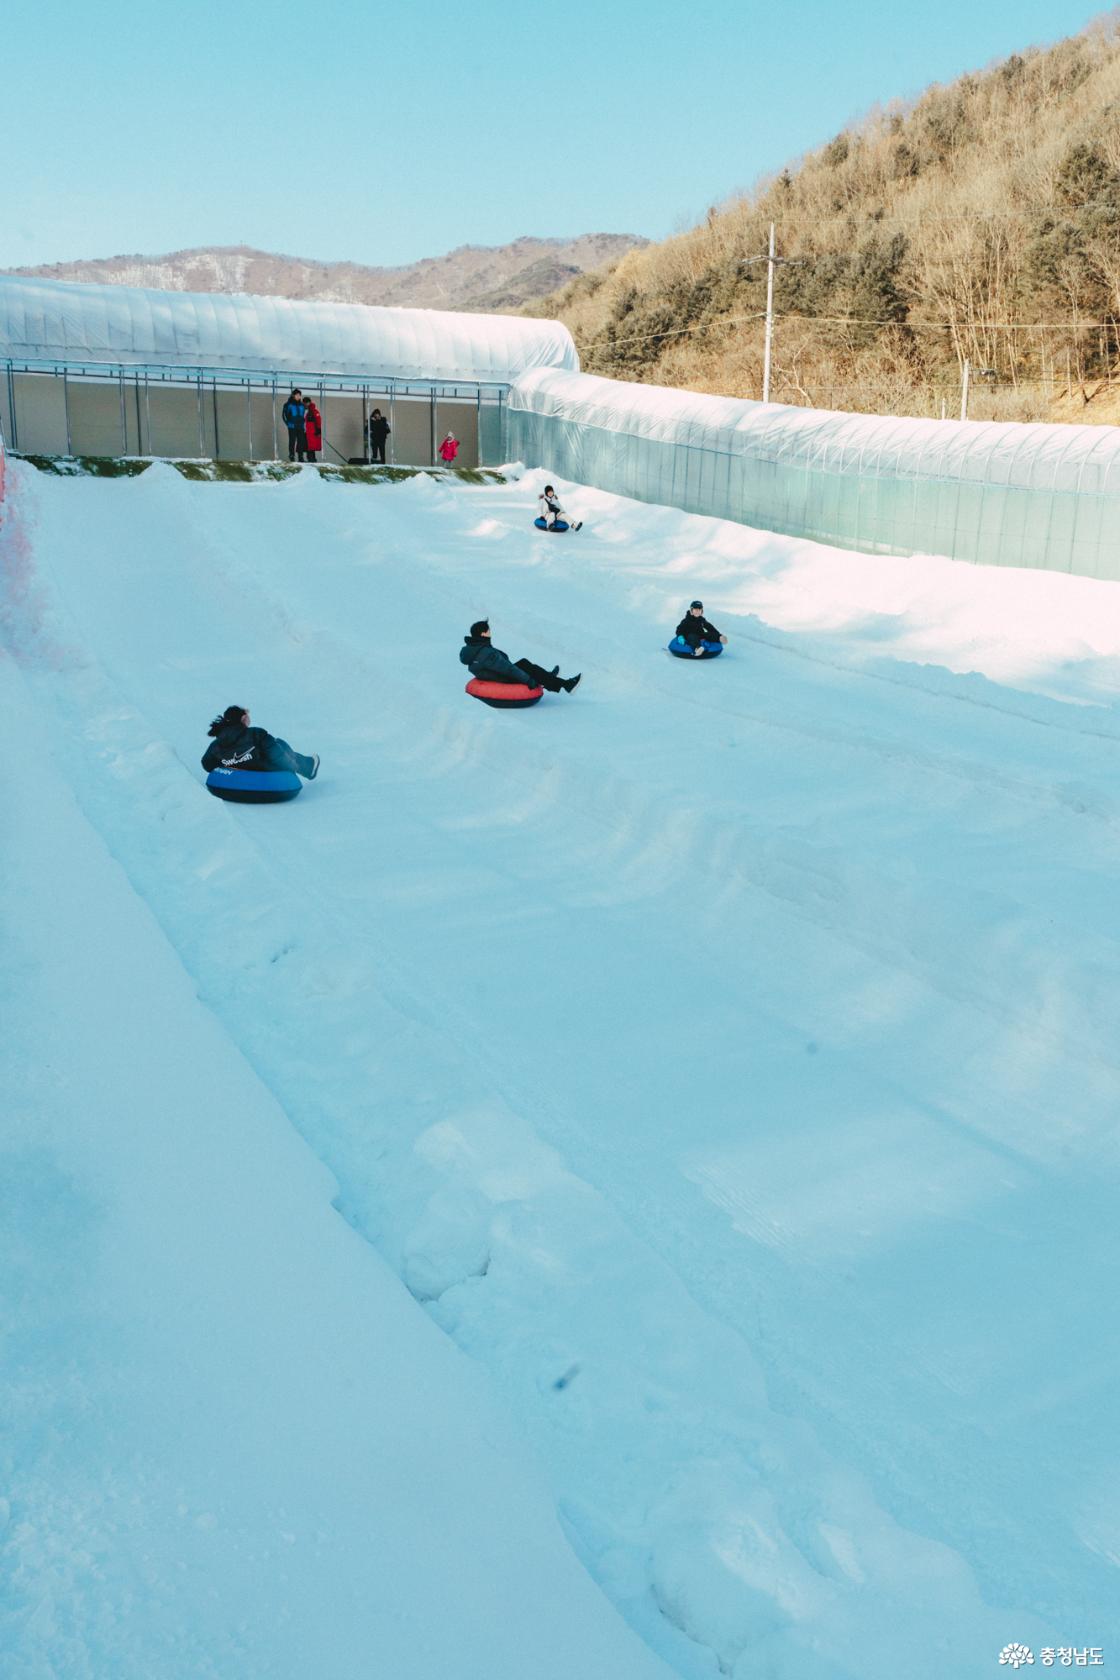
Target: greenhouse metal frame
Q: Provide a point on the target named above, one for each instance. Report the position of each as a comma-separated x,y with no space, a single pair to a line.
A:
55,418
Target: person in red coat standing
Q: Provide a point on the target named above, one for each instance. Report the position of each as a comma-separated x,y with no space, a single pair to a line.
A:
448,449
313,426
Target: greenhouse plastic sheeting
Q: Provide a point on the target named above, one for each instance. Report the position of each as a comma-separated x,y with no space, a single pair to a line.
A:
58,321
1001,494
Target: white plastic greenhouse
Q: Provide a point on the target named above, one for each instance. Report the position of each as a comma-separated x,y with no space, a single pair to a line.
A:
107,370
1000,494
122,370
128,326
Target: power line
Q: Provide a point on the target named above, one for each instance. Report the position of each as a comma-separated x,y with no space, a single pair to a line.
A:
969,329
858,321
949,326
677,332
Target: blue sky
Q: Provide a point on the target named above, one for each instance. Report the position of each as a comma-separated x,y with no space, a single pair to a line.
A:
389,132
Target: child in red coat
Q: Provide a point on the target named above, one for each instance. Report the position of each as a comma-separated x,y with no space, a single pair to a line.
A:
313,426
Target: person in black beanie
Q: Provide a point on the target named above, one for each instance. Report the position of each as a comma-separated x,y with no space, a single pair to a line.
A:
238,747
378,433
695,630
490,664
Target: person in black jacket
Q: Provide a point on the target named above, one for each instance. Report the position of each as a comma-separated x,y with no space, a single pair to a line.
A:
293,414
378,433
490,664
695,630
238,747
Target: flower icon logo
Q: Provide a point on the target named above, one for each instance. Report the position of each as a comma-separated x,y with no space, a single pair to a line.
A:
1016,1656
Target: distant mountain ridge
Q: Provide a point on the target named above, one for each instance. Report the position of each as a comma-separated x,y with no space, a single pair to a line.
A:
498,278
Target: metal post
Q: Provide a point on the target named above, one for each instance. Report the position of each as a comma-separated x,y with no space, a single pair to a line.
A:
12,407
275,441
148,412
365,423
478,426
769,319
201,422
323,421
392,425
124,416
964,390
249,407
66,410
214,392
433,426
139,423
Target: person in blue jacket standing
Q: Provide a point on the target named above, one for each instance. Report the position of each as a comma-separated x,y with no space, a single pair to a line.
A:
294,415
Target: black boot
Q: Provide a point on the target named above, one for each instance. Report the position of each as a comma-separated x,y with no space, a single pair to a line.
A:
568,683
555,671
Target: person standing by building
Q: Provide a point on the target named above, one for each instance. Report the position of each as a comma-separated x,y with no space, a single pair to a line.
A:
378,433
313,429
293,414
448,449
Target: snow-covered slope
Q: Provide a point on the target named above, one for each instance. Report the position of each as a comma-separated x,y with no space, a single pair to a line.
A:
231,1445
725,1058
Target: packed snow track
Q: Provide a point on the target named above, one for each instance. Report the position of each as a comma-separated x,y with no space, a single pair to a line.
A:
724,1058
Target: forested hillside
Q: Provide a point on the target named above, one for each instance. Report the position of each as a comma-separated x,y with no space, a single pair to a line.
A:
981,222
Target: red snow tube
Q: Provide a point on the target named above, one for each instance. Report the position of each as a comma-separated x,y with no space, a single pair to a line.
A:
504,695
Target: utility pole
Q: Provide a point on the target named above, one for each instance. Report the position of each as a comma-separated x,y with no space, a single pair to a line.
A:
769,318
964,390
771,262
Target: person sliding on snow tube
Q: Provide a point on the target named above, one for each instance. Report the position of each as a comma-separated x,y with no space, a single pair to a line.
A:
250,765
695,637
552,516
491,670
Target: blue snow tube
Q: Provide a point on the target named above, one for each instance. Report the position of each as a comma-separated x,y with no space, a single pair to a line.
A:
254,787
557,525
681,649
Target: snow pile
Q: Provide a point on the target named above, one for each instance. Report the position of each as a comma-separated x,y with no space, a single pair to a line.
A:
723,1058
